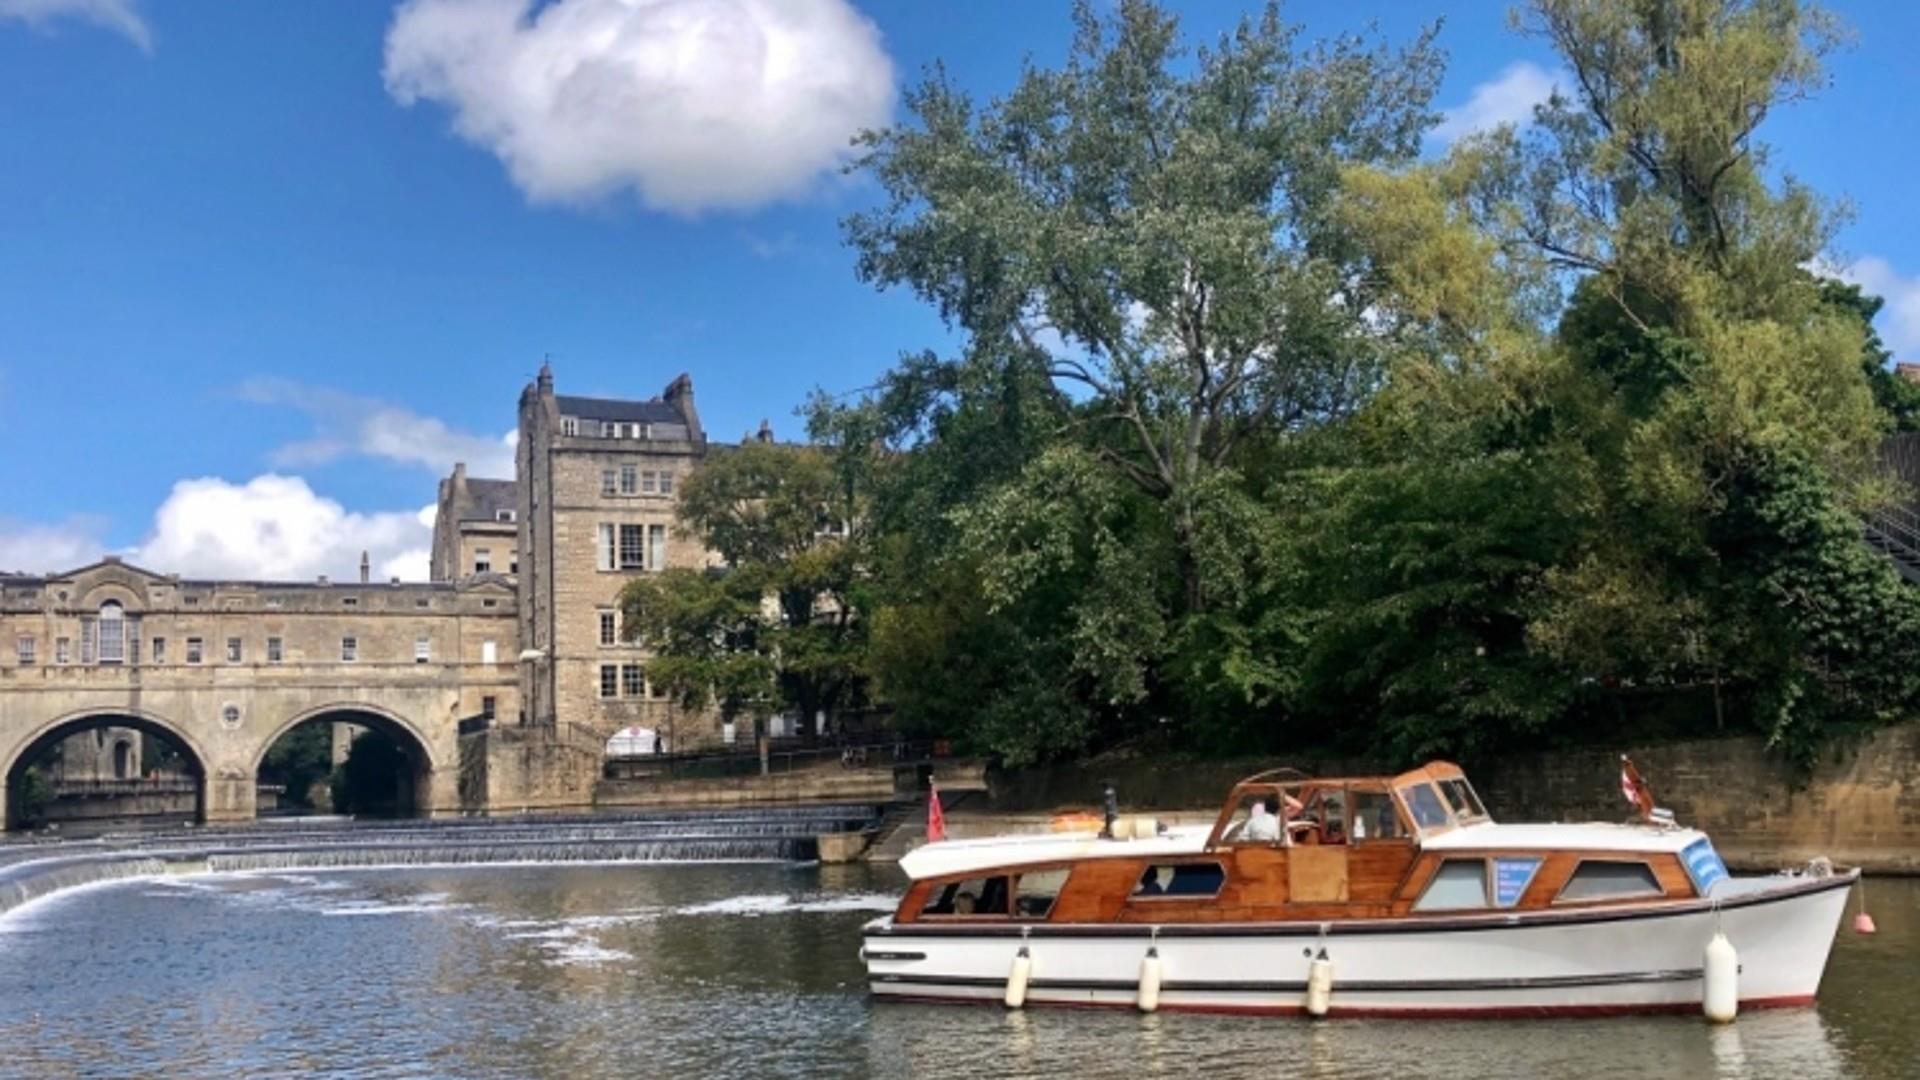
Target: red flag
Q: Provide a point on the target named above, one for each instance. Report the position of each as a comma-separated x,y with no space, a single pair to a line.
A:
936,818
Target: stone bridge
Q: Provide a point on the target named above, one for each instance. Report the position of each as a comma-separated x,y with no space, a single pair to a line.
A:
223,670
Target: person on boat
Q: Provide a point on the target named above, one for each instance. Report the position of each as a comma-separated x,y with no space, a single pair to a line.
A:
1263,822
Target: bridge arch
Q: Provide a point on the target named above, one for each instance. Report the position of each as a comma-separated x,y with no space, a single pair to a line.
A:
14,761
414,793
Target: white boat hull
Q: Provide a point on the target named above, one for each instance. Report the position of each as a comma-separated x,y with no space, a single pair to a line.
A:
1565,962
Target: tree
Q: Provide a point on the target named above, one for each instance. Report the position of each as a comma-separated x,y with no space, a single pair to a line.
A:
1155,239
777,624
1140,250
298,759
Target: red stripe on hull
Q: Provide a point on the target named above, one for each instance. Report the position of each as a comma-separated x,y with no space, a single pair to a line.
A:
1483,1012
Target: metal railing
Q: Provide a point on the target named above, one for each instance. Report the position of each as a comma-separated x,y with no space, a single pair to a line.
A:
787,754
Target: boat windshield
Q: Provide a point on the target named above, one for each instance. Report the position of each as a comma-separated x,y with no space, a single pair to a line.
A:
1460,796
1429,811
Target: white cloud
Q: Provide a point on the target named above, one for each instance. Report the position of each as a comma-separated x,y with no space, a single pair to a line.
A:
1899,321
692,104
271,528
120,16
37,549
276,528
348,424
1508,99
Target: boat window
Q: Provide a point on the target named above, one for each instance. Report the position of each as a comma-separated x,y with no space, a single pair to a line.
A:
1460,796
1181,879
1374,817
974,896
1609,879
1034,896
1326,814
1261,818
1424,804
1459,883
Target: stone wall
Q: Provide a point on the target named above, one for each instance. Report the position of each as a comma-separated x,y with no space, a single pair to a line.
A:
520,770
1860,806
829,783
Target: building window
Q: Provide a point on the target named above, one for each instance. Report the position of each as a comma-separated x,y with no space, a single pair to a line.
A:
487,705
629,480
609,680
603,552
274,653
633,681
609,482
194,647
26,649
489,653
233,650
482,560
63,650
273,601
569,425
649,482
488,603
349,601
113,634
503,515
608,630
422,650
657,541
420,603
632,547
666,483
349,650
159,650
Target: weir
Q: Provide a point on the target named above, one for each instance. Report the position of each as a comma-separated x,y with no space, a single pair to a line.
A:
31,871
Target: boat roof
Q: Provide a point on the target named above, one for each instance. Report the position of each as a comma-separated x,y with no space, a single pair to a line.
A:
1587,836
949,857
994,852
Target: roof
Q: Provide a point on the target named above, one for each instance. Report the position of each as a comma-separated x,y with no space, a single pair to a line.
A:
1591,836
490,497
962,856
651,411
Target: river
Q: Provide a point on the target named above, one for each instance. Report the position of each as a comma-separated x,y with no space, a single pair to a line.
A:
741,970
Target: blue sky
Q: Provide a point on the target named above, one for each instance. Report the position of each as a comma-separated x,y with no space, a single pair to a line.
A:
266,269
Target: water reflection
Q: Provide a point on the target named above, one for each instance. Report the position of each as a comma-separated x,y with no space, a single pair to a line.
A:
740,970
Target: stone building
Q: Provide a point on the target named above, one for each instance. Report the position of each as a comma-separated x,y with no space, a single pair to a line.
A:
519,624
596,485
475,527
223,669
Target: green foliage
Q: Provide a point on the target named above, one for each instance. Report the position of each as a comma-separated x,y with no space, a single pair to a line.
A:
1262,431
31,797
778,625
299,758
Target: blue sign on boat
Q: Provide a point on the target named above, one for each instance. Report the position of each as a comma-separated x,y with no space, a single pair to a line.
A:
1703,865
1510,878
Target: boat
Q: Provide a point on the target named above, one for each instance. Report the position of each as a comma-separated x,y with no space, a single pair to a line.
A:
1357,896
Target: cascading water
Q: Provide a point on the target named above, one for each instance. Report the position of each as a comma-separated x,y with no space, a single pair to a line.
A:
29,871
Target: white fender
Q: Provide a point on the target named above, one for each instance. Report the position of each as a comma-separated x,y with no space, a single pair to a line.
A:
1149,998
1017,979
1720,996
1319,985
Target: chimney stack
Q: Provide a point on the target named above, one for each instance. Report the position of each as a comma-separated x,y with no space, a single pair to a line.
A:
366,568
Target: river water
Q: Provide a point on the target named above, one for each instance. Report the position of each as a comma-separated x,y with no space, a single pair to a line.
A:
741,970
